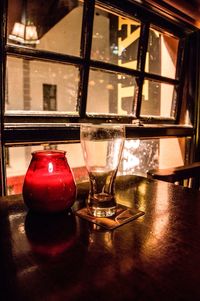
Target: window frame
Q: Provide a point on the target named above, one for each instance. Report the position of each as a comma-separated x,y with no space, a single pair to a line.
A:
85,63
25,128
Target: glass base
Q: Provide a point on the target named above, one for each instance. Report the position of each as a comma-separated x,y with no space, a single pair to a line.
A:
102,212
101,205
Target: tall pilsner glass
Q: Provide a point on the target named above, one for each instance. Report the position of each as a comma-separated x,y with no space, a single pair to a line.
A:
102,148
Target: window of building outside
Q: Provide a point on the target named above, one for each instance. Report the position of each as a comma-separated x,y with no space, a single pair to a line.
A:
49,97
123,68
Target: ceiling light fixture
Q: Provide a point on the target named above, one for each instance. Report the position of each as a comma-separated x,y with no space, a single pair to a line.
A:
24,32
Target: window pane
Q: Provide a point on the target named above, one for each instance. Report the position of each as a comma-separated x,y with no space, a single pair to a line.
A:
20,156
137,158
115,38
140,155
53,26
34,85
110,93
157,99
161,54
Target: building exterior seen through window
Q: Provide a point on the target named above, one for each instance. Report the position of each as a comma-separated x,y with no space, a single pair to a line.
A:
115,40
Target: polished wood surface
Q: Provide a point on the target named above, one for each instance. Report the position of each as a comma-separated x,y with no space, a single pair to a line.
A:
63,257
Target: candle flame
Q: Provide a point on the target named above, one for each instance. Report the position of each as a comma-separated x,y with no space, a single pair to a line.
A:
50,167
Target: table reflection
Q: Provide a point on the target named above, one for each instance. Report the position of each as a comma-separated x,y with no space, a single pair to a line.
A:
51,235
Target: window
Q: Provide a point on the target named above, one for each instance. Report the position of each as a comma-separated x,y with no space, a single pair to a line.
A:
113,93
27,83
68,62
130,69
137,158
49,97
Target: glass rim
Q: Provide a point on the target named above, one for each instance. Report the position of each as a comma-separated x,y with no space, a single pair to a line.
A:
49,153
102,125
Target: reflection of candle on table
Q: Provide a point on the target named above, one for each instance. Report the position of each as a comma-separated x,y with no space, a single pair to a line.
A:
50,235
49,184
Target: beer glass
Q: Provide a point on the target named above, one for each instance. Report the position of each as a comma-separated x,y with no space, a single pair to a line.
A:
102,146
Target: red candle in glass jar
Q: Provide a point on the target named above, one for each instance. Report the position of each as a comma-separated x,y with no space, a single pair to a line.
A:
49,184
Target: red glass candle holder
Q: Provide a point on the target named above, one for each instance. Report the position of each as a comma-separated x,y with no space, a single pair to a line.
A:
49,184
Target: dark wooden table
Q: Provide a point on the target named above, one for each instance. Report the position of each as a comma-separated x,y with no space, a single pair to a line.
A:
63,257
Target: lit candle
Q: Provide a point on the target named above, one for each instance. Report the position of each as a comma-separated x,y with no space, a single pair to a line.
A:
49,184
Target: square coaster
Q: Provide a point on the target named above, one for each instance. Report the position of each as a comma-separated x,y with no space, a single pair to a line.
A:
123,216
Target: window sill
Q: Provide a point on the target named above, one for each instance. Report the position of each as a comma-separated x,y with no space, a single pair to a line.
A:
36,133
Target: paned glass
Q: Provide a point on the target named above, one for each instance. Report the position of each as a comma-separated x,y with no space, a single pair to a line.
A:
158,99
111,93
34,85
46,25
162,53
20,157
115,38
139,155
